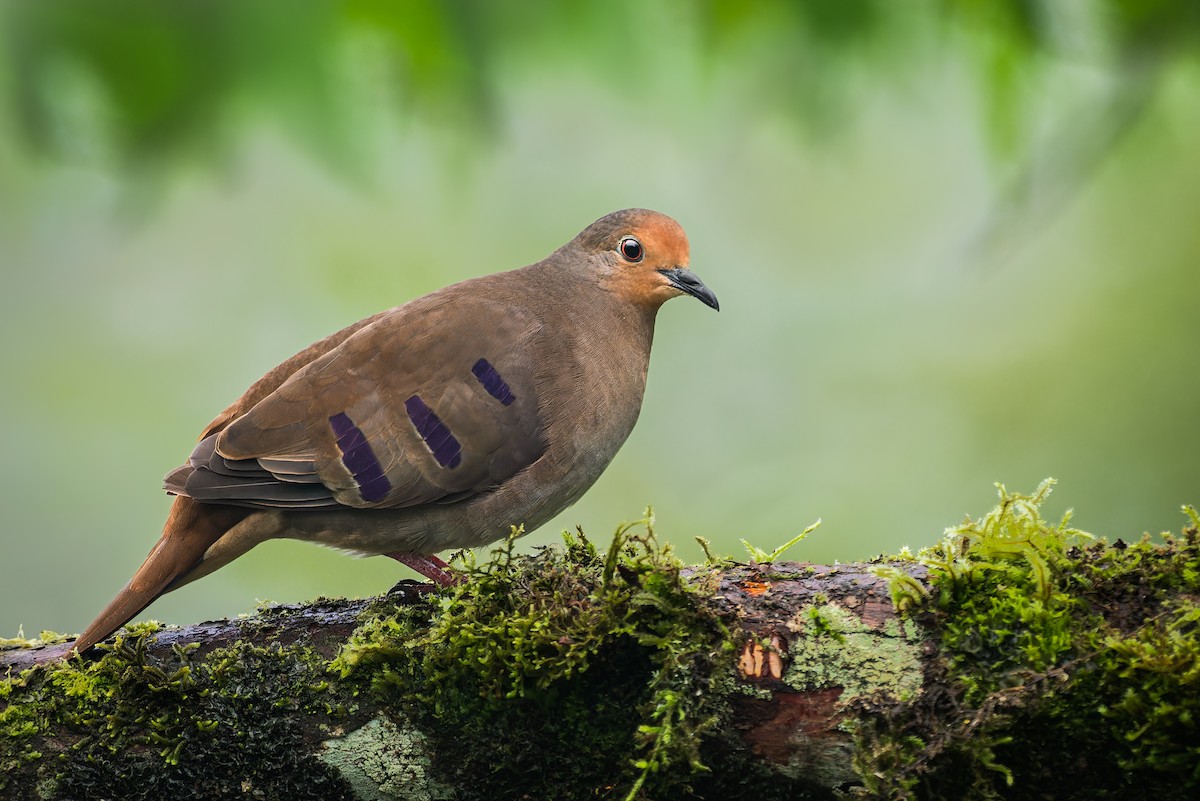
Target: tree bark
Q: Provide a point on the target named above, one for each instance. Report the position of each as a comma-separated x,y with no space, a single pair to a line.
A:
827,684
787,716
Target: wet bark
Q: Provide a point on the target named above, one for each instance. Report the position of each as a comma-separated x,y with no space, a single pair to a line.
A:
828,679
793,727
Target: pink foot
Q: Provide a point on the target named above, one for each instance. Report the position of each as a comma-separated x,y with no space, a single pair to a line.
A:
428,565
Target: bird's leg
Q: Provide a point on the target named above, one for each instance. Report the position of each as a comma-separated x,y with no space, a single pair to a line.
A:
428,565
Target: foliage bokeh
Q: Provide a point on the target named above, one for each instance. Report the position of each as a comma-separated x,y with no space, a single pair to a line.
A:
954,243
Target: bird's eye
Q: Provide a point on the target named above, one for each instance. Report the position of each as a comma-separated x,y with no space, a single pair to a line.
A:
631,249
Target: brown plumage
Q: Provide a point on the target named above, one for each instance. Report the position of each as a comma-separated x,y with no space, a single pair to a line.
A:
434,425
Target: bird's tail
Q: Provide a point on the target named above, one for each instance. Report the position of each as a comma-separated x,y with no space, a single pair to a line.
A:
190,530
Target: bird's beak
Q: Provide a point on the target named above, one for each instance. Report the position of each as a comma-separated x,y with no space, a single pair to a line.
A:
687,282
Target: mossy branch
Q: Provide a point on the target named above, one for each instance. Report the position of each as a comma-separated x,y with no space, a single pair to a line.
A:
1027,662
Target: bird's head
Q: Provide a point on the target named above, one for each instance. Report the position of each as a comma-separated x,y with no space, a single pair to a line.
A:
642,256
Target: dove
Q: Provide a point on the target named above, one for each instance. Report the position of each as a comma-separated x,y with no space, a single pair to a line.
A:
439,424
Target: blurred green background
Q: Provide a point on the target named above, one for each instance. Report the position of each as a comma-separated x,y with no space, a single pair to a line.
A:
955,243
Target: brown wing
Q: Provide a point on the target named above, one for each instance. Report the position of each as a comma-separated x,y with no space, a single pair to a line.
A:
431,402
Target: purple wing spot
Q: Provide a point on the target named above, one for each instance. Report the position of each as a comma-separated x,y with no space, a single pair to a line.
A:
438,437
492,382
359,459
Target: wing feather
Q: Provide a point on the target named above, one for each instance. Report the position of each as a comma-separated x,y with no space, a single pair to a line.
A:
340,430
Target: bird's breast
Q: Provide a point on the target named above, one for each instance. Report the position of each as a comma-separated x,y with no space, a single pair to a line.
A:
591,416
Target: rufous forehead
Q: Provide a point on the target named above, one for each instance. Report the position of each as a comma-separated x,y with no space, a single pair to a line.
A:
664,240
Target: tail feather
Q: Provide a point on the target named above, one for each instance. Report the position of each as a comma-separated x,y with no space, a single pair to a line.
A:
190,530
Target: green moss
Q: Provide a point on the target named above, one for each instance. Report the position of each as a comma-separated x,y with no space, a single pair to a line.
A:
1063,658
758,555
20,641
143,726
567,673
571,673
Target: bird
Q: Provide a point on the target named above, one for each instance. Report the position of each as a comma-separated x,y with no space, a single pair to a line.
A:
436,425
